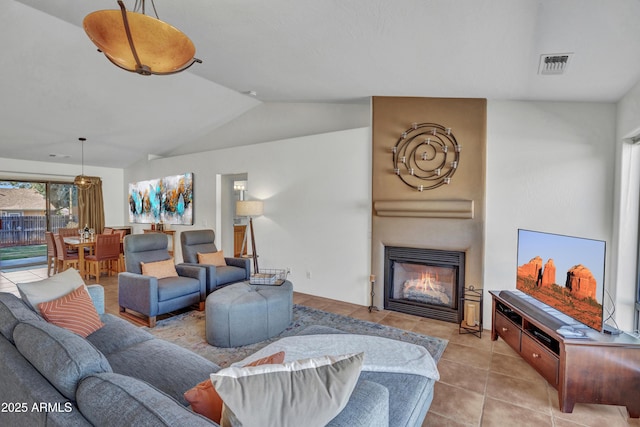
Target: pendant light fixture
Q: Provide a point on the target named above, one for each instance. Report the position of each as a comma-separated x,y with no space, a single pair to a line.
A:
81,181
140,43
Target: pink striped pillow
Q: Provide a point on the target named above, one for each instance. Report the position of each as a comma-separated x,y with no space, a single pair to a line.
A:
74,311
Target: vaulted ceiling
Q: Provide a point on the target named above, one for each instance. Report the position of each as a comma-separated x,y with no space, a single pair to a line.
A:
56,87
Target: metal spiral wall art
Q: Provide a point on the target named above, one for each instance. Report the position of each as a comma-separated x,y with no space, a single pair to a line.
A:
426,156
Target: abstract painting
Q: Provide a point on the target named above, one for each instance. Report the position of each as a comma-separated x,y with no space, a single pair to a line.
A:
168,200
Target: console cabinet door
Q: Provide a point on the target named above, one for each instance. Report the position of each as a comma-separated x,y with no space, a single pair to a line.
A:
509,332
542,360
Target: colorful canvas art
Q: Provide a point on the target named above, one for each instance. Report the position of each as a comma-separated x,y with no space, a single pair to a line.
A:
167,200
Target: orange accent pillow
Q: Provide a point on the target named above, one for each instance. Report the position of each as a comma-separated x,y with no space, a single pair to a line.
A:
274,359
74,311
212,258
204,399
159,269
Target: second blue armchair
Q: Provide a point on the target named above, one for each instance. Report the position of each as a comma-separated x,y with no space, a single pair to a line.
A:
202,241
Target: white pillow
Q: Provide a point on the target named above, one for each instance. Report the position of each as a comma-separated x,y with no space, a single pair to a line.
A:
33,293
309,392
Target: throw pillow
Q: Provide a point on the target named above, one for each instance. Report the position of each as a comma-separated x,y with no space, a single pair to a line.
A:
204,399
159,269
212,258
309,392
74,311
50,288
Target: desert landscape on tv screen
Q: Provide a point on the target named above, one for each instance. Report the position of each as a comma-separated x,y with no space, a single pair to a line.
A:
564,272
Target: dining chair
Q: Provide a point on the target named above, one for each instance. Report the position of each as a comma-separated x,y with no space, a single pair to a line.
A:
107,230
69,232
121,232
66,259
52,255
105,257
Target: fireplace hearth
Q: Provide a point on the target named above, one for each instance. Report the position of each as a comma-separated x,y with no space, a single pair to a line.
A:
424,282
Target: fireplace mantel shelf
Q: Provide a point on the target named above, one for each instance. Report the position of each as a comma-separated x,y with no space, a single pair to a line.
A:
451,209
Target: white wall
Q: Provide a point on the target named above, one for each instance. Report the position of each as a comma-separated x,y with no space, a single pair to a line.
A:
627,209
317,196
112,181
550,167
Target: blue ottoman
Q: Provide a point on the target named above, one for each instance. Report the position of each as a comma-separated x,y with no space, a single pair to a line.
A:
242,314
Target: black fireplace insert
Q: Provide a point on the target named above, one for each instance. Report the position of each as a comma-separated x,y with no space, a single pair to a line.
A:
424,282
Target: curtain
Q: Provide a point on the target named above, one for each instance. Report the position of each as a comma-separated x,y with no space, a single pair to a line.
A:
91,206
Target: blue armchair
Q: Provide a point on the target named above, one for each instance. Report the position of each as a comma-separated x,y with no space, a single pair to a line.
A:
202,241
148,295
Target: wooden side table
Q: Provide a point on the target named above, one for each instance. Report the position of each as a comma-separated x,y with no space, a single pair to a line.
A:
172,238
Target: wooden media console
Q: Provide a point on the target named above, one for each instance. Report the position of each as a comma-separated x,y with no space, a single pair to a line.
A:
599,368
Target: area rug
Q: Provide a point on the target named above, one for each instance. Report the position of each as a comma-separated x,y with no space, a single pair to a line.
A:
188,330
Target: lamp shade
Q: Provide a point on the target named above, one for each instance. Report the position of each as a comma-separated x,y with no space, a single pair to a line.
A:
249,207
161,48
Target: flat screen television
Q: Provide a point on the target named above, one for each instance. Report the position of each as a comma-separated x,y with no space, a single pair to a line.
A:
564,272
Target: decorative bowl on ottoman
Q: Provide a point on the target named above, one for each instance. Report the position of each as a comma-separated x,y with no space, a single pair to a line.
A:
242,314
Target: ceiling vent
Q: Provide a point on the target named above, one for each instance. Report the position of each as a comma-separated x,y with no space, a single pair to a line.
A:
555,63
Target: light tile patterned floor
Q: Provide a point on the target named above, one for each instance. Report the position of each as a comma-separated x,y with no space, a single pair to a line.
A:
483,383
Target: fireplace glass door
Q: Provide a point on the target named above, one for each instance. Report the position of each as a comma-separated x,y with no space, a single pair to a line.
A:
425,284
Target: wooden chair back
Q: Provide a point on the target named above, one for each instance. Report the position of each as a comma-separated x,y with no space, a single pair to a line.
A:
51,245
69,232
107,247
65,258
61,249
52,254
120,232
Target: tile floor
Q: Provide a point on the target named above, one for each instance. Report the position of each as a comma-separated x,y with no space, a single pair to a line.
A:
483,383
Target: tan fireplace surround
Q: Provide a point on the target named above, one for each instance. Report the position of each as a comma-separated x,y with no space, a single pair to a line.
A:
450,217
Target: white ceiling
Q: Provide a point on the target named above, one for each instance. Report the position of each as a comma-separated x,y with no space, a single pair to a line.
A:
56,87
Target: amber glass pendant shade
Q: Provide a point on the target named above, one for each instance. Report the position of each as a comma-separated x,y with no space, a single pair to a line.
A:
140,43
81,181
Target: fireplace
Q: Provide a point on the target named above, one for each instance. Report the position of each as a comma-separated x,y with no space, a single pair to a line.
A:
424,282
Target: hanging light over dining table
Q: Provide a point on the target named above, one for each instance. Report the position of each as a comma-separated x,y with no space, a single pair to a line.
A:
138,42
82,181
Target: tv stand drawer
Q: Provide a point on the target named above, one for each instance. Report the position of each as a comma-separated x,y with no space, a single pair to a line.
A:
545,362
508,331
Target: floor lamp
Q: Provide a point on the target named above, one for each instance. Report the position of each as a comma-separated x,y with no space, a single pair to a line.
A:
250,209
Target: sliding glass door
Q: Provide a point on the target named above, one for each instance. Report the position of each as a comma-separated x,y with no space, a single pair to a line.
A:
63,206
27,210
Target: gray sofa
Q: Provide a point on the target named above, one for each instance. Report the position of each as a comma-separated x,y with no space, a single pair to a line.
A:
123,375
